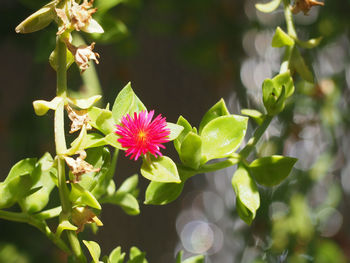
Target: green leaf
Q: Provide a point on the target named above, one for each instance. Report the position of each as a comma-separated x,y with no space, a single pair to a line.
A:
125,200
78,143
105,122
179,257
18,183
43,182
222,136
195,259
85,103
53,59
268,7
311,43
164,193
257,116
298,63
276,91
247,194
102,120
116,256
281,39
130,184
161,169
41,107
136,256
82,197
39,20
93,140
94,249
175,130
65,225
271,170
23,167
112,139
191,150
218,110
126,103
187,128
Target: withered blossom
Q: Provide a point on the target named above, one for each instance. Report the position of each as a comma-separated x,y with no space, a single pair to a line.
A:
83,54
82,216
79,119
79,17
78,166
81,14
304,6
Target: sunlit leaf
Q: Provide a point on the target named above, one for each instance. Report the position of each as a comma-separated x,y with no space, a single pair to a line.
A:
281,39
271,170
94,249
222,136
268,7
218,110
161,169
247,194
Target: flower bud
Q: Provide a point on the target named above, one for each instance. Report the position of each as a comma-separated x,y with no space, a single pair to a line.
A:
39,20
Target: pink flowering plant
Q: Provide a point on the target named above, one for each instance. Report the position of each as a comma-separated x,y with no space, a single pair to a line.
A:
83,171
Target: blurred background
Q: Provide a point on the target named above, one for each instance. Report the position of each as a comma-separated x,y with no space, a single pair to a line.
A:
181,58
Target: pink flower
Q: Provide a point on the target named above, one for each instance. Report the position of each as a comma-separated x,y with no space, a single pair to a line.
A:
140,135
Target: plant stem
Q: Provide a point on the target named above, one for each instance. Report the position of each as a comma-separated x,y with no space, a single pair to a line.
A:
38,223
218,166
12,216
256,137
61,148
289,19
61,68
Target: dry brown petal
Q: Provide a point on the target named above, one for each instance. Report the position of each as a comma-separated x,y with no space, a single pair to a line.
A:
83,54
78,166
81,14
61,13
305,6
79,119
82,216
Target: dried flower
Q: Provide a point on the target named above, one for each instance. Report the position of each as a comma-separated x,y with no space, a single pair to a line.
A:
79,18
82,216
79,118
79,167
141,135
83,54
304,5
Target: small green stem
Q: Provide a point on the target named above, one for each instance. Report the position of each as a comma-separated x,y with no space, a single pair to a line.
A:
256,137
12,216
42,226
75,245
38,223
62,188
61,68
289,19
219,165
61,147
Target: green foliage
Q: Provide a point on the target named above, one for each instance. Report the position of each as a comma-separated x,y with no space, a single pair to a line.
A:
276,91
222,136
163,193
281,39
39,20
195,259
268,7
271,170
161,169
247,194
